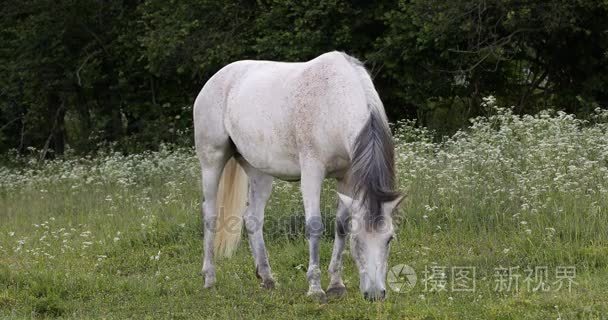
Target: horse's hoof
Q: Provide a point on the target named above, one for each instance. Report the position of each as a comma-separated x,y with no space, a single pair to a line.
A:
336,292
209,283
268,284
318,296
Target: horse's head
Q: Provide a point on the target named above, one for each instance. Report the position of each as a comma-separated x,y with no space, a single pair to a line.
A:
371,235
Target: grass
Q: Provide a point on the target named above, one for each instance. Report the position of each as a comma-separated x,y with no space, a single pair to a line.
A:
119,237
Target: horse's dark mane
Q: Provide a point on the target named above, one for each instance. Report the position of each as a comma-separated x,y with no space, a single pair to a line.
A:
372,172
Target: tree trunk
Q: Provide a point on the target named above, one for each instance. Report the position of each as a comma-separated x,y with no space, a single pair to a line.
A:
84,119
56,123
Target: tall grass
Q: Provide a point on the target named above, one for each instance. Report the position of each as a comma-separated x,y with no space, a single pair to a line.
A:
117,235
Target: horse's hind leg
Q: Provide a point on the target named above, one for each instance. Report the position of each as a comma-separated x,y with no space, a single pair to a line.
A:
336,286
212,159
260,187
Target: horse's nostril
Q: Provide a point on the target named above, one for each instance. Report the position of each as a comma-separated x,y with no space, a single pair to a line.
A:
374,295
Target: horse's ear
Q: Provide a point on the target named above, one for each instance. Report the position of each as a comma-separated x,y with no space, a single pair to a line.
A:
389,206
346,200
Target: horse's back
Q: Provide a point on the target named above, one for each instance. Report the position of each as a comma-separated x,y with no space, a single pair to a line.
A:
278,112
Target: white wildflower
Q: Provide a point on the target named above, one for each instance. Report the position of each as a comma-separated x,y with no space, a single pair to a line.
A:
155,257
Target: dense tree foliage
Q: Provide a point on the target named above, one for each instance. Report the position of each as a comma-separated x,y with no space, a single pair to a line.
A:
85,73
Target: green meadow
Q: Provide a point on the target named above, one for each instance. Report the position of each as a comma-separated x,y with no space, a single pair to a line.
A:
507,219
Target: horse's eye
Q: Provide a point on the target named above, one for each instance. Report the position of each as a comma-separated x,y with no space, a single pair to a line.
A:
389,240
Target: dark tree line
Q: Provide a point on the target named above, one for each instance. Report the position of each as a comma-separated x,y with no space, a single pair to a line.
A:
85,73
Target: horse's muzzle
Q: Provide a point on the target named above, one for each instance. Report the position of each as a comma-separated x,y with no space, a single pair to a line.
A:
374,295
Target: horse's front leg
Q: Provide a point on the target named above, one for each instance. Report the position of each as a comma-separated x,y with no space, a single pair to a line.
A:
336,286
312,180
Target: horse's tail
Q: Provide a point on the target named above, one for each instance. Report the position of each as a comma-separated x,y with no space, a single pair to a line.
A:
231,203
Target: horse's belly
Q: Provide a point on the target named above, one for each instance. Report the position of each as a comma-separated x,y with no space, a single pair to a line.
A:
265,145
271,160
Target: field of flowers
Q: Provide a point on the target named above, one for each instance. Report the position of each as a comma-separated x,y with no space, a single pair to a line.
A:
518,202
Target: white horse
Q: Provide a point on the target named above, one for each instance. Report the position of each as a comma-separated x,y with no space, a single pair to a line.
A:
297,121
